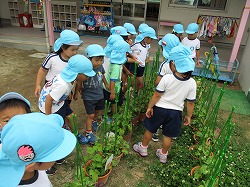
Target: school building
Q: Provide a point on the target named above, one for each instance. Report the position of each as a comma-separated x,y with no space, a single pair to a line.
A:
226,23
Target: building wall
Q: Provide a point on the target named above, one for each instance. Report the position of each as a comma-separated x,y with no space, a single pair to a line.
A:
244,77
188,15
4,11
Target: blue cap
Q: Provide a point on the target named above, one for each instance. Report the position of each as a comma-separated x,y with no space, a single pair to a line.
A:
192,28
29,138
147,32
68,37
181,57
168,42
110,42
130,28
142,26
119,30
178,28
14,95
77,64
119,52
94,50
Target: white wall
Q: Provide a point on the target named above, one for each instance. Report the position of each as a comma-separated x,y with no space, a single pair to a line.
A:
188,15
244,77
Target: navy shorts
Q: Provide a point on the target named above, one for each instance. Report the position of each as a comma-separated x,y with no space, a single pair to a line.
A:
170,120
92,105
139,70
65,110
107,97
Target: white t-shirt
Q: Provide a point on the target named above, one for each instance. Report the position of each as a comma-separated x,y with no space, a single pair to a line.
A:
140,52
58,89
54,64
164,69
40,179
192,44
175,92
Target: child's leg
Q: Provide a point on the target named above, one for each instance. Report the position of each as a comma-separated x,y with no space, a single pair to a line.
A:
146,138
67,121
90,118
139,83
167,143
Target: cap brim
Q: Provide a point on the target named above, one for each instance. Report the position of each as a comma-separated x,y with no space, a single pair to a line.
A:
154,37
10,174
90,74
66,147
76,43
99,54
190,32
13,95
133,33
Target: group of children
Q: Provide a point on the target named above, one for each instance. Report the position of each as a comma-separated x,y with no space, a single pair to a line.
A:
98,75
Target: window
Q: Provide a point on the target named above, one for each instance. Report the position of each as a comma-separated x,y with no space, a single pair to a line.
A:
201,4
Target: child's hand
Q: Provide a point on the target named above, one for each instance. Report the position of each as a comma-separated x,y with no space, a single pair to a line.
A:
37,91
187,121
112,96
107,87
149,112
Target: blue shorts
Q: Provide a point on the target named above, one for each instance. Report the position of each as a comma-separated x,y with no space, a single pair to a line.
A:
170,120
93,105
65,110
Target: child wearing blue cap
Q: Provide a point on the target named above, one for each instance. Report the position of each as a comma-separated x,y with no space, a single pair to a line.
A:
193,42
40,141
141,27
64,47
12,104
178,30
118,57
141,51
92,91
166,106
55,92
130,28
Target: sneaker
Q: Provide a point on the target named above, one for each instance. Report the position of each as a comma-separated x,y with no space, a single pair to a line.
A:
95,126
162,157
59,162
155,137
143,151
89,138
51,171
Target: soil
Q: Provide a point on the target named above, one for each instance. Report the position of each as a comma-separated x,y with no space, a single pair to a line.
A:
18,73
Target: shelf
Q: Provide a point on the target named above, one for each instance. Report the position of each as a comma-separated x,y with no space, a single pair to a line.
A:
101,5
14,11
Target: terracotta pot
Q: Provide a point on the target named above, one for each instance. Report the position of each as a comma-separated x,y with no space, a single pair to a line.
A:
193,170
102,179
116,160
195,139
128,136
142,116
135,120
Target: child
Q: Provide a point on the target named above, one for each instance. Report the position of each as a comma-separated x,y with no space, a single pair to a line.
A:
54,93
117,58
92,91
178,30
130,28
12,104
141,51
166,106
193,42
28,142
168,42
65,47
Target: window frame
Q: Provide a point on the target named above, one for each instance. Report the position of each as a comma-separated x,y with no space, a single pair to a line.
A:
198,7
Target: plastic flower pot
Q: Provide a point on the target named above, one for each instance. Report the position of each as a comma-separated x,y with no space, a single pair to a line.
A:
102,179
